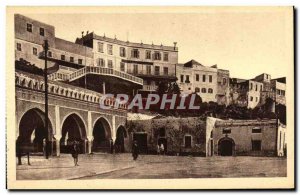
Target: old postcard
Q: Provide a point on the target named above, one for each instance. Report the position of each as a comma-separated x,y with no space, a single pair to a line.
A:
150,98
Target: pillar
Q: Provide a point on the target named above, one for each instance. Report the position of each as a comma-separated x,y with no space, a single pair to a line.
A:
90,144
57,133
103,86
113,136
90,131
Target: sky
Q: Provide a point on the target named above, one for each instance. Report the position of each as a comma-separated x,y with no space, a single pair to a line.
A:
245,42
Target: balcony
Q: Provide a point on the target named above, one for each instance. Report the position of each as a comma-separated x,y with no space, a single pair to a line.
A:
149,88
97,71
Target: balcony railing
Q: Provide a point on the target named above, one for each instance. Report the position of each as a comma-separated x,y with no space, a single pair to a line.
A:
95,70
149,87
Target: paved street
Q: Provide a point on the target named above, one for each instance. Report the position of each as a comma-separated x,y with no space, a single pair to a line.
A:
101,166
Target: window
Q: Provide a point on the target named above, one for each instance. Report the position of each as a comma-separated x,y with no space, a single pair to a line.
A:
71,59
148,54
210,78
283,92
256,87
251,86
42,32
19,47
256,99
224,81
110,49
50,54
122,66
135,69
256,145
261,88
187,141
251,98
63,57
181,78
162,132
122,52
256,130
203,90
210,90
34,51
101,62
157,55
156,70
197,89
110,64
148,69
135,53
29,27
203,78
187,79
166,70
197,77
79,61
226,131
100,47
278,91
166,56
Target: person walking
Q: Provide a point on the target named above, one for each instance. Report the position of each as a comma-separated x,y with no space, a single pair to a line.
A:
158,149
75,151
135,150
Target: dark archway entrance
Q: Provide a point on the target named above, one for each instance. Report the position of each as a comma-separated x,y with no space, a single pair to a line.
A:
32,129
226,146
102,136
73,129
119,143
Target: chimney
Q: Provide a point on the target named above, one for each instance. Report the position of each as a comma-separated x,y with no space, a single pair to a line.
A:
175,43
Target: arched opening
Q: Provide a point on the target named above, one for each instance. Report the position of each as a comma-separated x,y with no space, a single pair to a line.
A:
226,146
73,129
120,140
102,136
32,129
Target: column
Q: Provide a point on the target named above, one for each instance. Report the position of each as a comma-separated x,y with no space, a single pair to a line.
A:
103,86
57,133
90,131
113,136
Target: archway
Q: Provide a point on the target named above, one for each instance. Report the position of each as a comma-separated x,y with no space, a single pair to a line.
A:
102,136
119,143
32,129
226,146
73,129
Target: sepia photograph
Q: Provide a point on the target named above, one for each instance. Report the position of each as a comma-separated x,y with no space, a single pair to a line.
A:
150,97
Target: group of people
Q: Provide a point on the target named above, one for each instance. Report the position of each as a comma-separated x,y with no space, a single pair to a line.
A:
135,151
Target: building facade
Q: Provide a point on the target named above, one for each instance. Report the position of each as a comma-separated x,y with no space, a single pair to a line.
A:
241,137
210,83
152,63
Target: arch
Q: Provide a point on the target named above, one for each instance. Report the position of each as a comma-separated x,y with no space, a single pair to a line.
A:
30,85
32,128
73,129
23,83
226,146
102,135
121,135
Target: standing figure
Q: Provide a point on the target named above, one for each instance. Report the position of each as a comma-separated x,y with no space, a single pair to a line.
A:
135,150
162,149
158,149
44,147
75,151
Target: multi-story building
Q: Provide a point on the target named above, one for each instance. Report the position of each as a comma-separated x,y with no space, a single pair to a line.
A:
152,63
223,97
245,92
195,77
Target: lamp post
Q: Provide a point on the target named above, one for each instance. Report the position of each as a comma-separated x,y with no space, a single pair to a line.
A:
46,48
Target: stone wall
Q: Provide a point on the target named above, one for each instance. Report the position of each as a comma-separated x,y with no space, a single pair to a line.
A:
175,131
